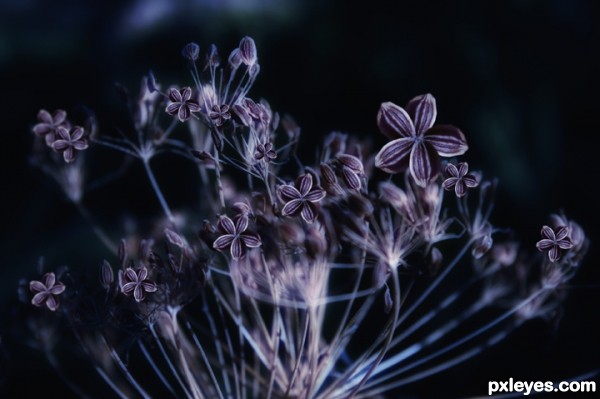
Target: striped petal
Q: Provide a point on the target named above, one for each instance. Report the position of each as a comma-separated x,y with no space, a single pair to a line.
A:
393,121
394,156
447,140
423,111
424,164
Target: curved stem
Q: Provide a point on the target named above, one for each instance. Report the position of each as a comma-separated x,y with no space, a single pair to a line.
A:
156,188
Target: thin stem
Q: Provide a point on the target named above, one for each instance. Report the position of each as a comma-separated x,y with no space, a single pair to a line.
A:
156,188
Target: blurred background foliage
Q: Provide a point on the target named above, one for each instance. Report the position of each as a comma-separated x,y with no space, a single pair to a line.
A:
519,77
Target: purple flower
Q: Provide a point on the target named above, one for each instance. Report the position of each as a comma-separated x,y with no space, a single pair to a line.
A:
220,114
46,291
69,141
234,238
136,282
460,179
49,123
181,103
301,199
416,144
265,151
554,242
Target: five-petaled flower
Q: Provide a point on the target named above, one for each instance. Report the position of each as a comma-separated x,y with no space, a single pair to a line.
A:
181,103
460,179
301,199
69,141
416,143
46,291
49,123
136,282
220,114
554,242
265,152
233,237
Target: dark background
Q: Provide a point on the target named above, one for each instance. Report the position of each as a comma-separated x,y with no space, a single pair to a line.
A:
519,77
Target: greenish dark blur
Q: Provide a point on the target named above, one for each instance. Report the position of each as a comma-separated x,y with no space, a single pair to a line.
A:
519,77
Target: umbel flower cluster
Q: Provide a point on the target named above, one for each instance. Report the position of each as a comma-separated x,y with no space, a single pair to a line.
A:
347,277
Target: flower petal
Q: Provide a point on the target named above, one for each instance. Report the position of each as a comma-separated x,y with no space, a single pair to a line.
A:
292,208
80,144
77,133
138,293
186,94
59,116
460,188
52,303
129,287
424,164
238,249
45,117
63,133
548,233
226,224
49,280
554,253
223,242
142,274
470,181
315,195
545,244
304,184
251,240
447,140
394,156
184,113
309,212
241,224
39,298
449,183
394,122
562,233
131,275
423,111
287,193
57,289
452,170
69,155
172,108
41,129
463,169
36,286
564,244
149,286
174,95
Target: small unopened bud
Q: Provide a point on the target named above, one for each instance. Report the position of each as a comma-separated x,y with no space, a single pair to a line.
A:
107,276
174,238
235,59
482,246
327,173
351,162
388,302
248,51
212,58
190,51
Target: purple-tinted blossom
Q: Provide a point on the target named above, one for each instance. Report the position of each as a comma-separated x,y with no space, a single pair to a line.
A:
181,103
219,114
265,151
351,170
301,199
46,291
136,282
460,179
248,52
48,124
416,144
68,142
234,238
554,242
